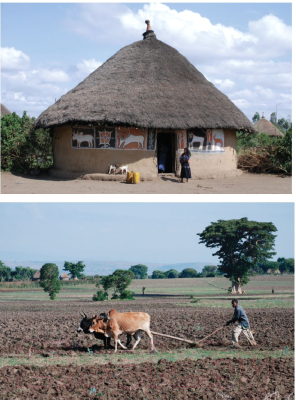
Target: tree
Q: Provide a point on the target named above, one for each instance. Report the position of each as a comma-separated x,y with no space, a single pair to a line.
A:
22,145
5,272
209,270
119,281
140,271
188,273
49,279
172,273
286,265
23,274
75,270
158,275
241,244
273,118
256,117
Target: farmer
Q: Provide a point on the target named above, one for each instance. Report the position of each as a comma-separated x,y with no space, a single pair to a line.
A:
243,324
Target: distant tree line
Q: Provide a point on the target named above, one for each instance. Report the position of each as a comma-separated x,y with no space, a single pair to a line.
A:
7,274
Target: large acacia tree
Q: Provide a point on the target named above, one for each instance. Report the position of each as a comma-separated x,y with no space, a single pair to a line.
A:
241,244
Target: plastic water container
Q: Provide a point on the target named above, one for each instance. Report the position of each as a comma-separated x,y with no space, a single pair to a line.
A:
136,177
129,177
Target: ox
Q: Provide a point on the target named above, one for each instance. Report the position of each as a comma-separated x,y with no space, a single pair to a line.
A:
139,139
86,323
119,323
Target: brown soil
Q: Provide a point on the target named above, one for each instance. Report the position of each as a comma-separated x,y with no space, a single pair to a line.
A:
244,184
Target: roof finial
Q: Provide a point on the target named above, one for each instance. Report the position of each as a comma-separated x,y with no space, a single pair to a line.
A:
148,25
149,34
262,114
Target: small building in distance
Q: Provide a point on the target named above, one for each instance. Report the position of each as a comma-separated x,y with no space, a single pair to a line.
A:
36,276
64,277
265,126
4,110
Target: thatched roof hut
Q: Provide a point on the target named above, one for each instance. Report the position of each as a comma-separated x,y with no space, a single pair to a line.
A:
36,276
4,110
150,93
265,126
64,277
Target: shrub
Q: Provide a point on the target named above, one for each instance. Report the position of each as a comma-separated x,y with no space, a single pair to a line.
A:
100,296
127,295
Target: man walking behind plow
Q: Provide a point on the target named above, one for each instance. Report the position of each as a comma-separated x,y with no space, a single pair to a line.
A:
243,325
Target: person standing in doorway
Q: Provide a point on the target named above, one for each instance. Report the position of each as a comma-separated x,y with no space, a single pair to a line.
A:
184,161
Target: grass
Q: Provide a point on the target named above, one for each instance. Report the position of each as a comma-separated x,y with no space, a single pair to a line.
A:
141,356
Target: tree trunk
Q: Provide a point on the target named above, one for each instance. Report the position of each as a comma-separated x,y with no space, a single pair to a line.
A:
236,288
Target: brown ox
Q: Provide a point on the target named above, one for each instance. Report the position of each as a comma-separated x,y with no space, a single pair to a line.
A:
119,323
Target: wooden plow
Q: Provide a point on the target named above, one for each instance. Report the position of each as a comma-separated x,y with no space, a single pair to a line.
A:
195,344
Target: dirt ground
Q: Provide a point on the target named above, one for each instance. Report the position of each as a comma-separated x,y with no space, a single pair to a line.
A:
41,328
244,184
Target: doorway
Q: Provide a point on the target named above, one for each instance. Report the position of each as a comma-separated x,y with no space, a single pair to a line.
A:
166,152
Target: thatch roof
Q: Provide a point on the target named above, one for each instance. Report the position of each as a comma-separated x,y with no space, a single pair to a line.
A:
265,126
147,84
4,110
36,275
64,275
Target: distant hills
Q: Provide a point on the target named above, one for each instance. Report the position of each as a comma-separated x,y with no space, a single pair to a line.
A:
108,267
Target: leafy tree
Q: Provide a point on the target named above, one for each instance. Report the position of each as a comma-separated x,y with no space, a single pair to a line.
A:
286,265
188,273
269,266
23,274
22,145
209,270
256,117
100,296
172,273
5,272
140,271
75,270
241,244
118,281
273,118
283,124
49,279
158,275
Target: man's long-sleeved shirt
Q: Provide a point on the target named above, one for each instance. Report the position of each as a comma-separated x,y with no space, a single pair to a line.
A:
240,316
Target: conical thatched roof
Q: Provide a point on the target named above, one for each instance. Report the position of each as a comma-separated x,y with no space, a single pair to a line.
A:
265,126
64,275
4,110
146,84
36,275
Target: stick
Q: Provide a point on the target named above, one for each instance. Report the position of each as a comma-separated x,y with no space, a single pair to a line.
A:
173,337
221,327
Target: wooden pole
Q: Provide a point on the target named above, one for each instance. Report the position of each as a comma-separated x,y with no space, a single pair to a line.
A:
221,327
186,340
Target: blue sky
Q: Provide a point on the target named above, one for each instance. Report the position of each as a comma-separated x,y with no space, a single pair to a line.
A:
244,48
147,232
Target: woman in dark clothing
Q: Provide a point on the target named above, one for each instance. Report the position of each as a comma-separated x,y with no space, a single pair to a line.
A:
184,161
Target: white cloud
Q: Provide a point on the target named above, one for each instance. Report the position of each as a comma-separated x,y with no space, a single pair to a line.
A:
12,59
87,66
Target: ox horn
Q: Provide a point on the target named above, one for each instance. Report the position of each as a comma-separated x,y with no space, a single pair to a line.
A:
83,314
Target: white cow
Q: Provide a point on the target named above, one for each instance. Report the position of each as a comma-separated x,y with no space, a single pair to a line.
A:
139,139
196,139
80,137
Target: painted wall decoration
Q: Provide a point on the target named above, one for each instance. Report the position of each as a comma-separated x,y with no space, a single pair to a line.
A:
151,139
105,138
181,139
210,140
131,138
83,137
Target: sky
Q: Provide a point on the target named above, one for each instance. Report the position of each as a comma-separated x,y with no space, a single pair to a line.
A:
148,232
244,49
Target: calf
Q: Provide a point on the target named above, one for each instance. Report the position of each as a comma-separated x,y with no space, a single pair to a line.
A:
119,323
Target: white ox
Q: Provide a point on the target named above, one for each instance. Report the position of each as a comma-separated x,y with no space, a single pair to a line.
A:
139,139
196,139
80,137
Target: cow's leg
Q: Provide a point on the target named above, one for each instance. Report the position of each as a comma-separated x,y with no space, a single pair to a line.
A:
115,336
119,342
137,342
108,343
129,339
151,339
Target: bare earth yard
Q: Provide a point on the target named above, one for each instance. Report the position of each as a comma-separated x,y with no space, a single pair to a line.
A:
244,184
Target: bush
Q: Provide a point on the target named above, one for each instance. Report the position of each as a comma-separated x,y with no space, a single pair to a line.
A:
127,295
22,145
100,296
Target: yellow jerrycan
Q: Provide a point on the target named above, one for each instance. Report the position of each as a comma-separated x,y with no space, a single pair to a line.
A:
136,177
129,177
